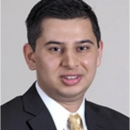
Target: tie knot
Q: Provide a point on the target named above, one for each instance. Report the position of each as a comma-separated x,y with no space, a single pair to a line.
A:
75,122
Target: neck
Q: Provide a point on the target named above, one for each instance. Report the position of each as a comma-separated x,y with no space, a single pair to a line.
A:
71,106
70,103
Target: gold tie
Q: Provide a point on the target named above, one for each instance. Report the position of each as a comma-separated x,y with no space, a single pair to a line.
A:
75,122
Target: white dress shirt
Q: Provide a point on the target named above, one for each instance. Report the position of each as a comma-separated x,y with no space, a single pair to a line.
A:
59,114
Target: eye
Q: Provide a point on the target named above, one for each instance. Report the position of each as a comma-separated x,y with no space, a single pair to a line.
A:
55,49
83,48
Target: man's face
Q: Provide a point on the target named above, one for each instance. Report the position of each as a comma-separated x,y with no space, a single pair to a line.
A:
66,58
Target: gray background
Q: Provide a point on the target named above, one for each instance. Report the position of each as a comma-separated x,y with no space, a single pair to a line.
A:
111,84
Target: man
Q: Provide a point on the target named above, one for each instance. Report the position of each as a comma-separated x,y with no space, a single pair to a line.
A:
65,48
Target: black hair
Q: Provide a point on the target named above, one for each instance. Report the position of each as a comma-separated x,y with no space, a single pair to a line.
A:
61,9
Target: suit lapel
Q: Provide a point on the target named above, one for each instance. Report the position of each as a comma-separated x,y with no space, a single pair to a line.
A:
35,106
41,118
42,121
94,120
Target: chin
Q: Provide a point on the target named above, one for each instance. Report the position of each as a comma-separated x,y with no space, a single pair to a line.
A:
72,93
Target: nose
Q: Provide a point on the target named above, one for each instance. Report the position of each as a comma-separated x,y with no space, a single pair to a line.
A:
70,60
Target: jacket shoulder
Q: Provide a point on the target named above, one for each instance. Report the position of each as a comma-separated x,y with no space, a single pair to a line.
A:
14,105
13,115
115,118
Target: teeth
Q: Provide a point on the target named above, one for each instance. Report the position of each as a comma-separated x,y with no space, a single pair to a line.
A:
71,77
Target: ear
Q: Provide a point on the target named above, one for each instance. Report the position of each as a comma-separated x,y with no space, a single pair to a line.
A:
100,51
29,56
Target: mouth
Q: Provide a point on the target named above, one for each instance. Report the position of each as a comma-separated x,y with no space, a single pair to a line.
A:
71,80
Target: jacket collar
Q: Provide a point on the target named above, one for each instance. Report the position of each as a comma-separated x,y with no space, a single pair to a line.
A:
35,106
42,119
94,118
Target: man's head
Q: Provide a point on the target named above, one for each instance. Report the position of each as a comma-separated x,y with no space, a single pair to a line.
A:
61,9
64,47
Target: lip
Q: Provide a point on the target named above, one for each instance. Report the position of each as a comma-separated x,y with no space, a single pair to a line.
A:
71,82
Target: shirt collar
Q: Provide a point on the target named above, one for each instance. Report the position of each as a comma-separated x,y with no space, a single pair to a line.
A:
58,112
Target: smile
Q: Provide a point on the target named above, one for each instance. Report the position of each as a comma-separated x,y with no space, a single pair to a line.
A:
70,77
71,80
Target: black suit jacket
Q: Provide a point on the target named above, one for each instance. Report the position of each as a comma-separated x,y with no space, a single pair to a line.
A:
28,112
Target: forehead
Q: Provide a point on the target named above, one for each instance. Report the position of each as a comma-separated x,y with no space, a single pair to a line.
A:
67,29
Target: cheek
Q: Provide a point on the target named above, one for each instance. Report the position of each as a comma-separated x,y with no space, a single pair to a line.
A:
47,64
89,61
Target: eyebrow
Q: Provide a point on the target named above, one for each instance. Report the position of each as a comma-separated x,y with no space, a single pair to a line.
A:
54,42
85,41
61,43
